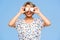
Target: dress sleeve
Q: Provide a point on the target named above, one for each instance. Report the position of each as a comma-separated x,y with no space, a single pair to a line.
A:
18,23
40,22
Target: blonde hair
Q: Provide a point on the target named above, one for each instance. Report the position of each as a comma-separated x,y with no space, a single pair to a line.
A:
29,3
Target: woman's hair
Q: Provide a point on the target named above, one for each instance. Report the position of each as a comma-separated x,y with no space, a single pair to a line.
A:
29,3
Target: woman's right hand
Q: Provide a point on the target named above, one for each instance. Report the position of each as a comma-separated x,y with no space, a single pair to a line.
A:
22,10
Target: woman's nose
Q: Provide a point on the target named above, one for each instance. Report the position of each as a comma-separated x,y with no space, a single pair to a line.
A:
29,10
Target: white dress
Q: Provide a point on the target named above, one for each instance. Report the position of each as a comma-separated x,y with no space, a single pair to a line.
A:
30,31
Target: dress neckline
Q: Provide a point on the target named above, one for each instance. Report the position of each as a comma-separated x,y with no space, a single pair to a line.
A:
29,23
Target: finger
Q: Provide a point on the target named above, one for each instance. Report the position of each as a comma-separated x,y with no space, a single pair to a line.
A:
33,11
35,7
24,12
22,7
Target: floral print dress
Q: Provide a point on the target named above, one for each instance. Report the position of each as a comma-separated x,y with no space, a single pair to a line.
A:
31,31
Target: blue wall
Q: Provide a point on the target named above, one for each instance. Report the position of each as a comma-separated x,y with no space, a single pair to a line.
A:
50,8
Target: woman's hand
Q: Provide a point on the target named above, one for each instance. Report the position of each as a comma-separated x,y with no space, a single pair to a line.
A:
36,10
22,10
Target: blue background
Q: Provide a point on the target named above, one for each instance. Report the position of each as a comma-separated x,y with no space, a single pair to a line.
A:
50,8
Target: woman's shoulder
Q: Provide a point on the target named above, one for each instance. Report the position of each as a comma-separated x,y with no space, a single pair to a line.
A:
19,20
37,19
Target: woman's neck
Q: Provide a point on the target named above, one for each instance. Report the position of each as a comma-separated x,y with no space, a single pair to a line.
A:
28,18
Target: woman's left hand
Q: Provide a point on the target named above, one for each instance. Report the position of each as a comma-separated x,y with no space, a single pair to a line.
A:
36,10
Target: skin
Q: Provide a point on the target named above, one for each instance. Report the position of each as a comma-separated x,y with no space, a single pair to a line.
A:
29,18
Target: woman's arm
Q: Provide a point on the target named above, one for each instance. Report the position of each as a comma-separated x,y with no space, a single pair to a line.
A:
13,21
46,20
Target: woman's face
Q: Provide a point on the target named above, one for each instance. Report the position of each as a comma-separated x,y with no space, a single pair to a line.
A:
29,10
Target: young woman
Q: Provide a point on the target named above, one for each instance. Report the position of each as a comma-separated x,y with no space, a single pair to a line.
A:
29,28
